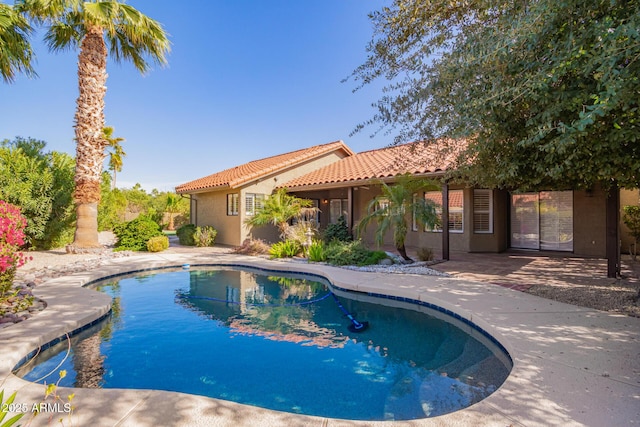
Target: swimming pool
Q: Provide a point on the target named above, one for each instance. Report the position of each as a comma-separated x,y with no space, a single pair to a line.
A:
278,341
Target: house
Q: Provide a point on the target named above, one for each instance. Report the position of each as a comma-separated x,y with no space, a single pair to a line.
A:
226,199
342,183
479,220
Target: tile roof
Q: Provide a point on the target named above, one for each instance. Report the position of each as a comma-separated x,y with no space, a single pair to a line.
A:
415,158
239,175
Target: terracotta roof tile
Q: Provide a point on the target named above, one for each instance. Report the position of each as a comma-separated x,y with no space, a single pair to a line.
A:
414,158
239,175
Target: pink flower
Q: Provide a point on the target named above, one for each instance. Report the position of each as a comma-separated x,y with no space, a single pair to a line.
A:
12,224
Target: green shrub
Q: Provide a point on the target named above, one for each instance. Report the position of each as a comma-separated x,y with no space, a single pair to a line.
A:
374,257
185,235
425,254
158,244
316,252
285,249
41,184
338,231
134,235
205,236
352,253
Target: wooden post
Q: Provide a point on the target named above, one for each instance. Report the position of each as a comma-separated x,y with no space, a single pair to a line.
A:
612,231
445,221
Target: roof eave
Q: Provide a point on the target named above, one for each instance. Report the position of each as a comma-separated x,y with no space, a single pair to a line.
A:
359,182
204,189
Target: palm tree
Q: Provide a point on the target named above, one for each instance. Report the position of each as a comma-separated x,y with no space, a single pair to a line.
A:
15,49
91,25
172,208
116,153
278,209
391,209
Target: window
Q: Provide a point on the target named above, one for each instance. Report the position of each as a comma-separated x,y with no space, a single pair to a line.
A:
252,203
232,204
483,211
338,208
456,209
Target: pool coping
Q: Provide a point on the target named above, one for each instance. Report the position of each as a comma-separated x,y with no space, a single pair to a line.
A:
572,365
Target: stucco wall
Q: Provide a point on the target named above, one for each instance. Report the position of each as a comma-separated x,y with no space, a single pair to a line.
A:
212,210
497,240
589,223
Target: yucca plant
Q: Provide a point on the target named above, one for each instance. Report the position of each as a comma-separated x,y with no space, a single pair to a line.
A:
11,421
316,252
285,249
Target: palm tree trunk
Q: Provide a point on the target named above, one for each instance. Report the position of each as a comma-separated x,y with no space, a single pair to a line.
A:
90,144
403,253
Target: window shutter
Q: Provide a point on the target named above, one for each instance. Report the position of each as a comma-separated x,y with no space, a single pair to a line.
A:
249,204
482,211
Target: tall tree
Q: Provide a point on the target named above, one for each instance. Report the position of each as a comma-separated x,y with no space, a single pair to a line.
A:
392,209
547,92
15,49
114,151
91,26
41,184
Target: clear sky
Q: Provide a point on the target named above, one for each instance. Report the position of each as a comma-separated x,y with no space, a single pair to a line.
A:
245,80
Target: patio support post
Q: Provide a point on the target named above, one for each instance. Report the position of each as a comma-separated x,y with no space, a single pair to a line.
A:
445,221
612,231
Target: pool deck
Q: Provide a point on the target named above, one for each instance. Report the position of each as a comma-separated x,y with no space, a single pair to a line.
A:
573,366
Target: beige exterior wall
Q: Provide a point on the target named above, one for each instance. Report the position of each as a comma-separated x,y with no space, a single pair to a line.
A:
497,240
212,210
627,197
589,223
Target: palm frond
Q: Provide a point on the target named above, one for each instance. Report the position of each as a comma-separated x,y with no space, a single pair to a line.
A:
15,50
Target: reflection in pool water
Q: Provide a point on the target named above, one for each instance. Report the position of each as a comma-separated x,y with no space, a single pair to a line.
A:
278,342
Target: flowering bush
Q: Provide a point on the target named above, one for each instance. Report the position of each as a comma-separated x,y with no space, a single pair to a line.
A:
12,225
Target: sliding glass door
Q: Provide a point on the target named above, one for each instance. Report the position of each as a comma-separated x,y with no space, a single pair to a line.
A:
542,220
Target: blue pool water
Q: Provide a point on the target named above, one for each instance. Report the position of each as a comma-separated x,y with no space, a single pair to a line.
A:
279,342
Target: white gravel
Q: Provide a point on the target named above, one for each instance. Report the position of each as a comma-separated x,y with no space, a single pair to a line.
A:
415,268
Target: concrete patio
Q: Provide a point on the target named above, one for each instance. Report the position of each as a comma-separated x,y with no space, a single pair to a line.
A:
573,366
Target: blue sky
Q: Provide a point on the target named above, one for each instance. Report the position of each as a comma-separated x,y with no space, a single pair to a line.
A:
245,80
